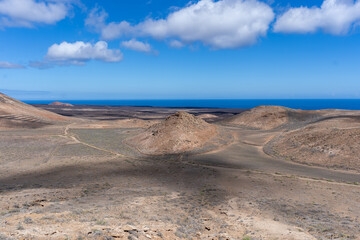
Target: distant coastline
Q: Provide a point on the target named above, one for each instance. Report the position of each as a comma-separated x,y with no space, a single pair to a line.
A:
305,104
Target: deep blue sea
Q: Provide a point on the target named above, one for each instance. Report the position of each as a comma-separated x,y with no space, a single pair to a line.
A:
306,104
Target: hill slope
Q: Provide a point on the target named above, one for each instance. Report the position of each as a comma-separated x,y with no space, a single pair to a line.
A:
16,114
270,117
333,142
261,117
178,133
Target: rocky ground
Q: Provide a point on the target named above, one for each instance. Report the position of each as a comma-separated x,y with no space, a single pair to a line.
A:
332,142
79,180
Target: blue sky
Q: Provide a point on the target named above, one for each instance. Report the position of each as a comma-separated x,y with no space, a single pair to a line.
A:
157,49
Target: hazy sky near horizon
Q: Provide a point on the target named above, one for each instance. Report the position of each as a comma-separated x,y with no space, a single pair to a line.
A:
158,49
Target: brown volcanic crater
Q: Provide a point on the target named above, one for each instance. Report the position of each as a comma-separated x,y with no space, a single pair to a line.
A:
261,117
180,132
270,117
16,114
60,104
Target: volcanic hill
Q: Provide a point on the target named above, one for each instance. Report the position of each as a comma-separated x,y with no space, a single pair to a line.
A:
60,104
270,117
16,114
180,132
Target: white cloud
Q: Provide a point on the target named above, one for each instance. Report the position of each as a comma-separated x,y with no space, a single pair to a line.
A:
176,44
218,24
26,13
8,65
41,64
115,30
334,16
135,45
96,20
81,52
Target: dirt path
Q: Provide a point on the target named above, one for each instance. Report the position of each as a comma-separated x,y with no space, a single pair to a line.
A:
247,153
79,192
74,138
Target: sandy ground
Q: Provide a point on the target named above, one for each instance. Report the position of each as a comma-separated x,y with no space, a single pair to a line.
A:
80,181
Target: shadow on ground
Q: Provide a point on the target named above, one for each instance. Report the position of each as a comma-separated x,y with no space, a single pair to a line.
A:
171,174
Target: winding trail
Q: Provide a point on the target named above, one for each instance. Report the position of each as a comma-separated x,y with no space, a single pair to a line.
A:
247,154
76,140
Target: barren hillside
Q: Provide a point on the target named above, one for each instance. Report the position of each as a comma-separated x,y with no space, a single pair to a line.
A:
332,143
179,132
262,117
16,114
270,117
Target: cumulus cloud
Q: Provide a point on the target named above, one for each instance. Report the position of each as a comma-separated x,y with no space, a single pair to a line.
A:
135,45
80,52
218,24
334,16
8,65
26,13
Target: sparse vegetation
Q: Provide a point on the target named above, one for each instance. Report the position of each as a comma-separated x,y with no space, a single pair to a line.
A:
101,222
81,186
28,220
20,227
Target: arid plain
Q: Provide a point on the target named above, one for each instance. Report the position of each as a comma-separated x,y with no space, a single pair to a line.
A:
101,172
